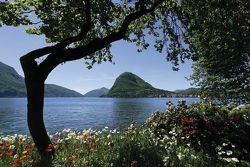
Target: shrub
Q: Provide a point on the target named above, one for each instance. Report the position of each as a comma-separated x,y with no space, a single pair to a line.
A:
222,132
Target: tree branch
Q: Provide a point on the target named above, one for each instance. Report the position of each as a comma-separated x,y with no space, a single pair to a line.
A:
98,43
31,56
84,29
58,54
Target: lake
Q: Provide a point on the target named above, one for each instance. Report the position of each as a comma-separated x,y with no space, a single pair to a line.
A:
81,113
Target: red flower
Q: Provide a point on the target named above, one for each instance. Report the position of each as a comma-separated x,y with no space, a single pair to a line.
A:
85,137
29,148
5,146
133,164
9,153
186,120
126,129
49,148
1,155
16,162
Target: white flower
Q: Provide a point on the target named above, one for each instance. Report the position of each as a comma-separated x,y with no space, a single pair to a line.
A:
219,148
229,152
179,156
231,159
72,135
193,156
114,131
224,144
12,147
235,160
227,159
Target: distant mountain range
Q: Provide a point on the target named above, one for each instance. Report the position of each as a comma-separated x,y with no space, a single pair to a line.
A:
97,92
126,85
12,85
190,92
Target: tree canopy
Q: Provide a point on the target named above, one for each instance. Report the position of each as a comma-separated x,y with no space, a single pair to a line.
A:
78,24
220,43
215,34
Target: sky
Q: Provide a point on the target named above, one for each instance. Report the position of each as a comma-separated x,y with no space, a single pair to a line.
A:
149,65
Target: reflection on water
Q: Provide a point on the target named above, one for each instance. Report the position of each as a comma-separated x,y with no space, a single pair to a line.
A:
81,113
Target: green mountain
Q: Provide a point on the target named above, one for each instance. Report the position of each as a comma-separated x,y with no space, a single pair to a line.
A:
190,92
12,85
130,85
97,92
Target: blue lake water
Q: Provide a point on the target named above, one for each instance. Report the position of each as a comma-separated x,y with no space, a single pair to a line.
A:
81,113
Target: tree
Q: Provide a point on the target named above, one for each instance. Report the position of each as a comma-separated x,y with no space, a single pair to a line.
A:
220,43
201,30
85,29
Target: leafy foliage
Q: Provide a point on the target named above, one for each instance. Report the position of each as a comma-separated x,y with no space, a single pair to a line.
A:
220,131
219,39
60,20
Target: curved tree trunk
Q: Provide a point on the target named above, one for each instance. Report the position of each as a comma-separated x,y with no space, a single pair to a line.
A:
34,81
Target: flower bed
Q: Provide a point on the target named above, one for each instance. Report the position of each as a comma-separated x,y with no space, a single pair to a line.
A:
199,135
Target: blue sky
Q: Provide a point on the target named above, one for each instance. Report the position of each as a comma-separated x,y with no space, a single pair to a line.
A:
149,65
